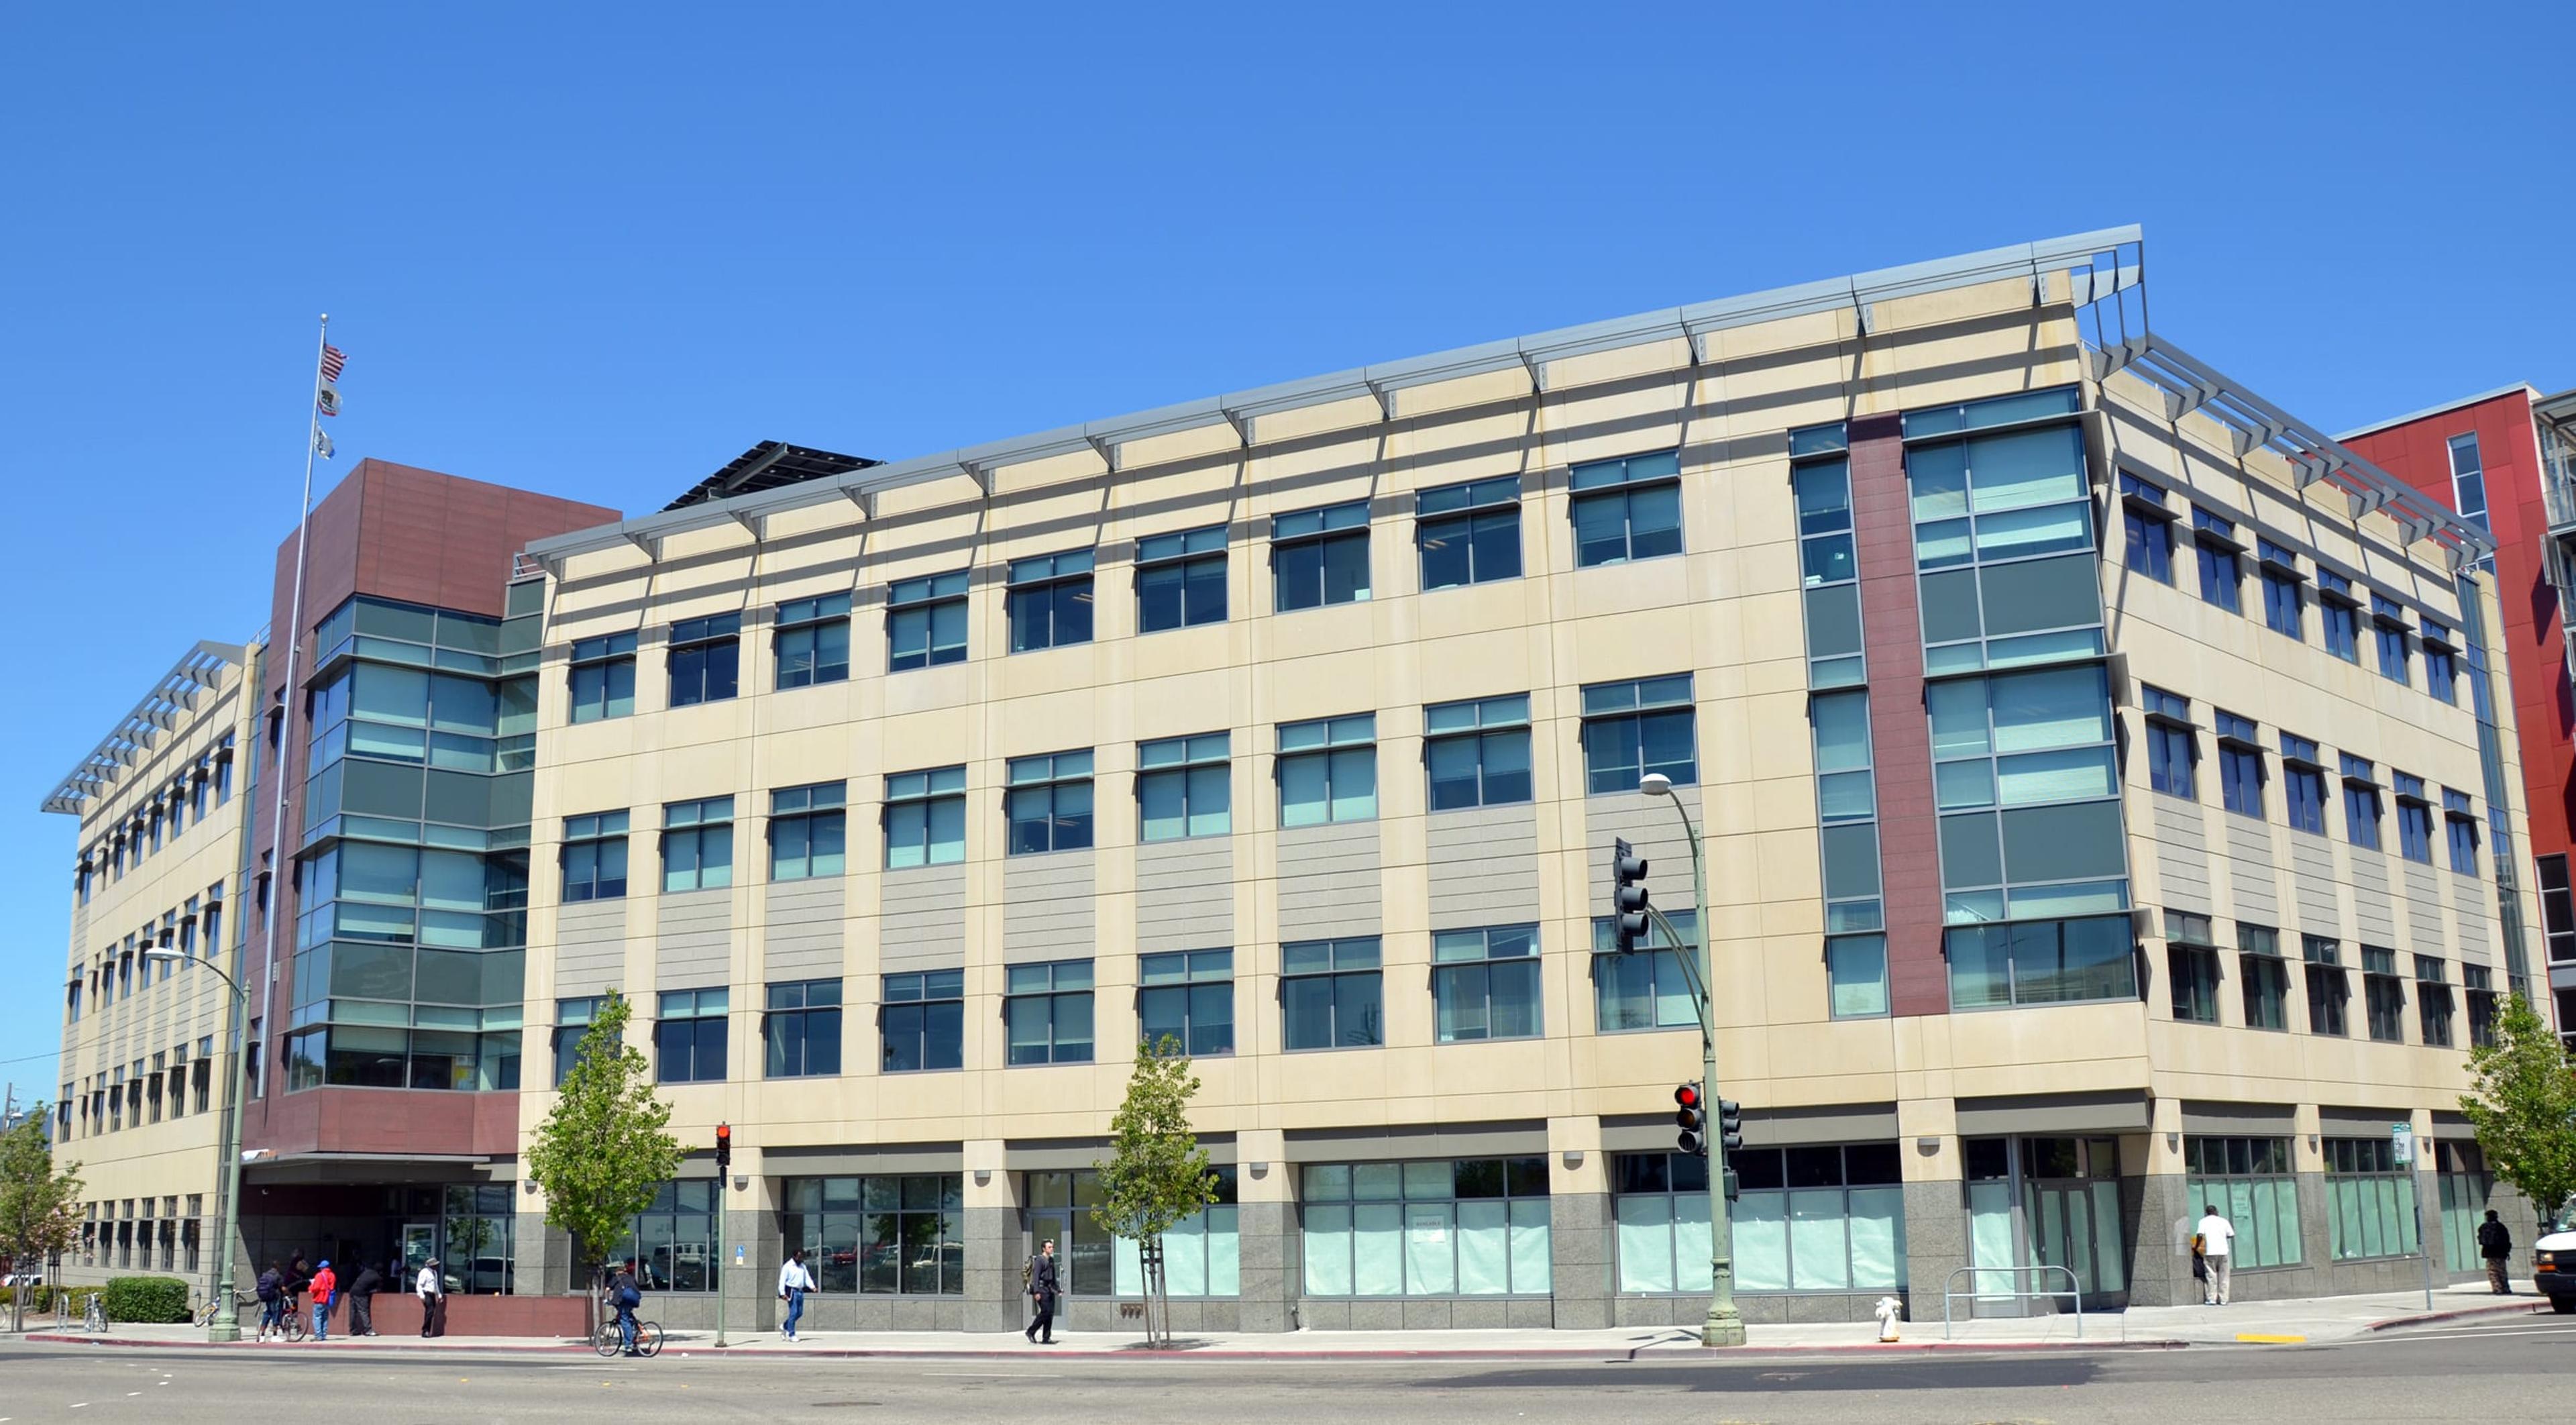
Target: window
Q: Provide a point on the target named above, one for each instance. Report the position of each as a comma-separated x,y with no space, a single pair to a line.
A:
2024,778
697,844
2192,963
1631,729
923,1021
1648,988
2383,995
2263,976
2360,803
1187,997
2476,980
1051,601
1184,787
925,818
2222,572
1485,984
2149,526
1047,1010
812,643
926,622
2370,1199
2304,778
1823,488
2388,626
1470,533
2284,598
572,1025
1180,579
706,659
1327,770
2557,913
1820,1218
2468,480
594,857
884,1236
2414,819
1856,975
2441,661
2340,614
2171,747
674,1241
1477,1227
1329,994
603,677
808,831
2240,765
2040,962
2327,987
1478,752
1049,803
2460,827
1202,1253
1627,510
2432,1002
2254,1186
1839,725
689,1039
1320,557
800,1035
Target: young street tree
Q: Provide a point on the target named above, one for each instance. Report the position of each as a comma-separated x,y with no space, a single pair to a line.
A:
39,1202
606,1148
1157,1174
2524,1108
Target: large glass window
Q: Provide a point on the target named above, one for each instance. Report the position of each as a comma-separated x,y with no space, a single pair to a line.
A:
1189,998
1051,601
1829,566
2171,747
2327,988
2370,1199
2041,962
1320,557
883,1236
926,622
1184,787
594,857
2339,614
2303,778
603,677
2441,661
1180,579
572,1026
2414,818
2024,776
2263,976
2012,503
812,642
923,1021
2360,803
2253,1185
2460,829
2192,965
1047,1009
2284,590
1485,983
2240,765
2388,630
1631,729
2468,480
2476,980
925,818
2383,994
689,1037
1202,1253
808,831
1647,988
697,844
1478,752
1628,509
1474,1227
1049,803
1328,770
1329,994
1823,1218
1856,975
673,1241
1470,533
2433,1002
706,659
2222,567
800,1033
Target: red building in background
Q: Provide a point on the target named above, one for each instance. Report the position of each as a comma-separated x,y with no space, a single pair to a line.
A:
2507,460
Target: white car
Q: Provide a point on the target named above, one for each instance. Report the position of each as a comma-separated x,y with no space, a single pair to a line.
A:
2553,1270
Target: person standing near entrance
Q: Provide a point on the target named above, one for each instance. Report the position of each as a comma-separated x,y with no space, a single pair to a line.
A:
362,1300
793,1282
1044,1287
431,1288
2495,1243
2215,1237
326,1291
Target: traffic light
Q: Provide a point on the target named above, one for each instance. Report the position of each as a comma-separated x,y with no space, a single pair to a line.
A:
724,1147
1692,1117
1628,895
1730,1124
1734,1188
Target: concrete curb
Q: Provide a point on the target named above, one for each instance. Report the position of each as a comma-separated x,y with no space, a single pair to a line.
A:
2529,1305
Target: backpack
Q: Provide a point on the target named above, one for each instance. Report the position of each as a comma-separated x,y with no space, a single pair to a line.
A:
1028,1273
268,1285
629,1297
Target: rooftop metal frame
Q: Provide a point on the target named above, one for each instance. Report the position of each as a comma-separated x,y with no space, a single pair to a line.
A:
199,671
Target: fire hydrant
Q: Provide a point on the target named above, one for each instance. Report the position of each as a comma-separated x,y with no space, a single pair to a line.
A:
1888,1309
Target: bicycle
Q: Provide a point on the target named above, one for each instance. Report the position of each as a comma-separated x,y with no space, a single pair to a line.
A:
245,1306
291,1325
609,1342
94,1314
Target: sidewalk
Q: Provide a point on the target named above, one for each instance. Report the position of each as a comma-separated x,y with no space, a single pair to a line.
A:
2309,1320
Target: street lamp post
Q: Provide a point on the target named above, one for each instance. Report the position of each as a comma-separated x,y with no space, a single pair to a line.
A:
227,1323
1725,1325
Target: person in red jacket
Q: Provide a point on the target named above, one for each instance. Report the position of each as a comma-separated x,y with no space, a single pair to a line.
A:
326,1288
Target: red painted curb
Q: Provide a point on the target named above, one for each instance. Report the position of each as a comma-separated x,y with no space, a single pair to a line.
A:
1607,1355
2528,1305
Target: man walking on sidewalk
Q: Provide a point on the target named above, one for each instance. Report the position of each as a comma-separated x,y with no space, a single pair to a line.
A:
793,1282
1044,1286
431,1287
2495,1243
2216,1236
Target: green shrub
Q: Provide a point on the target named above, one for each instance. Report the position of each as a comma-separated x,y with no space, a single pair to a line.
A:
39,1298
147,1300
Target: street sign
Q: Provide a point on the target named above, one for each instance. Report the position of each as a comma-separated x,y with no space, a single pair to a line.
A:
2401,1143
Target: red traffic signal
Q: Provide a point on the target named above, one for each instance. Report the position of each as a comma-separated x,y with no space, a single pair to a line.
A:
1687,1095
1691,1118
724,1145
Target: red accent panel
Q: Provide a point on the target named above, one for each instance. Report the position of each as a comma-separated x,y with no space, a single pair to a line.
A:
1909,849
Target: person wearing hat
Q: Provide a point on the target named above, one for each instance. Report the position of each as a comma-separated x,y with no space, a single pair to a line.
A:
432,1289
326,1288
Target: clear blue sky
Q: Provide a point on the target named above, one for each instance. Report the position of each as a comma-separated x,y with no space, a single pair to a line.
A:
599,250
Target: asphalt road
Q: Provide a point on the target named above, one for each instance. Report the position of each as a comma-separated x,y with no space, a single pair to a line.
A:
2511,1369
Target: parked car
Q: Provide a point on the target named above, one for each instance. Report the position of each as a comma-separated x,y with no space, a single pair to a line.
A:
2553,1269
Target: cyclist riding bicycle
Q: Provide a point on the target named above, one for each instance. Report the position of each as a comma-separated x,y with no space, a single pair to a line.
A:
625,1296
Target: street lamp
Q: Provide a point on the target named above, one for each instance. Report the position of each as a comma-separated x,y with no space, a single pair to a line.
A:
1725,1325
226,1325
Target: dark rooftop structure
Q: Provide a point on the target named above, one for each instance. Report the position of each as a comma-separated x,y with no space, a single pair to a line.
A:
768,466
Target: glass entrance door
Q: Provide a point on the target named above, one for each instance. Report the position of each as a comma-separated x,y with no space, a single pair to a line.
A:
2044,1202
419,1244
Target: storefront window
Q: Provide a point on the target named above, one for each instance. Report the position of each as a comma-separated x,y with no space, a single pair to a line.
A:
1473,1227
2370,1200
1823,1218
673,1242
1202,1256
2252,1184
481,1233
880,1236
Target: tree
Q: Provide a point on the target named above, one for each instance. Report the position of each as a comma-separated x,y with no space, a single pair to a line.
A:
606,1148
39,1203
2524,1107
1157,1174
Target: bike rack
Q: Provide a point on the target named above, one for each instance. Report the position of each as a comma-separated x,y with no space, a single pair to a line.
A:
2074,1291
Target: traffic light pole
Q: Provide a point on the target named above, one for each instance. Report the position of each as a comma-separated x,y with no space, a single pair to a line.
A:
1725,1325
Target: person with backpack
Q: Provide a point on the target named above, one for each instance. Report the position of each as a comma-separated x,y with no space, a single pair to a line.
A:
2495,1243
432,1290
625,1295
272,1302
326,1290
1040,1279
793,1282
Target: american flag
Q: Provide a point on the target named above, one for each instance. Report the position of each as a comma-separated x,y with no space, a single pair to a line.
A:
332,360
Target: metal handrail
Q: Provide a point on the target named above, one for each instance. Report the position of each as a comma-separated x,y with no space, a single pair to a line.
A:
2075,1290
